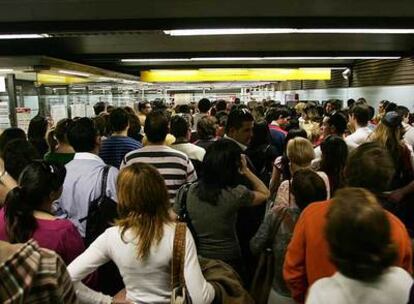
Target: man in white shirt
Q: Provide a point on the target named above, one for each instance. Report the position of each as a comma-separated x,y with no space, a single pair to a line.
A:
358,121
180,128
332,125
409,130
84,174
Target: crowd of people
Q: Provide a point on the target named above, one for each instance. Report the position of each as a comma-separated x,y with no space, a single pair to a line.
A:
91,208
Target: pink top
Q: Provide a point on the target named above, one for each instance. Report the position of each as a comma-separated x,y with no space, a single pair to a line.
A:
58,235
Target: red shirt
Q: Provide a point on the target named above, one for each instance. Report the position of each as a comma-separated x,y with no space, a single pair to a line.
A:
307,257
277,128
58,235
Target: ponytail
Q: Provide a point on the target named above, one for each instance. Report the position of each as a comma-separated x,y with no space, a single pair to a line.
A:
51,141
20,221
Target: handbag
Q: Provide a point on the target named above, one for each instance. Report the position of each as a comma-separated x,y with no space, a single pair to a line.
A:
179,293
183,214
101,212
264,274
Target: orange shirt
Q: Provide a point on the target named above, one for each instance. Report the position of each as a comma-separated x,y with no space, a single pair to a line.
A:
307,257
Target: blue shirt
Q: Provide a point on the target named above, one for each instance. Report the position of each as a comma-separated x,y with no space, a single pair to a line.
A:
82,186
114,148
277,139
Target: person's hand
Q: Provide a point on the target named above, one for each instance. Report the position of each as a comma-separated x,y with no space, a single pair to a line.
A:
244,168
120,298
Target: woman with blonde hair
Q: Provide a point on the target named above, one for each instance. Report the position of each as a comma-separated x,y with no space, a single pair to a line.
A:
141,245
389,135
300,154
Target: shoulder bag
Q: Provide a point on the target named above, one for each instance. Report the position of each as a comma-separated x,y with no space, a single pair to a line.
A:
179,290
101,212
264,275
183,214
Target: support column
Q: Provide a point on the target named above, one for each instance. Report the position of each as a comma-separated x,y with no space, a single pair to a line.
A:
11,91
41,93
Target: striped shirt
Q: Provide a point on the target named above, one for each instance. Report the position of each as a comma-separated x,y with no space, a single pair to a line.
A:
114,148
34,275
174,166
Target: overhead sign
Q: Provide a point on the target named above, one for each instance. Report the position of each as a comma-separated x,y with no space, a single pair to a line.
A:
203,75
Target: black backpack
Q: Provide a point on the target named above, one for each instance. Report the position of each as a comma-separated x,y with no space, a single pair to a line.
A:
101,213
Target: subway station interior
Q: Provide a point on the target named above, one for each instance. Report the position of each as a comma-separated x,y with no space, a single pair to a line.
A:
197,152
68,52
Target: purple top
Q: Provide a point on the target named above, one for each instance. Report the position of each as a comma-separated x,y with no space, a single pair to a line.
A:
58,235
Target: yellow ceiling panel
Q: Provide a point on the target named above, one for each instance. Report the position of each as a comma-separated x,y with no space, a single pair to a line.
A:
202,75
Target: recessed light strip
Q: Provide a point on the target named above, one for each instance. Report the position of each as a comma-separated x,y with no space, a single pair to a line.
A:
258,58
23,36
255,31
74,73
156,60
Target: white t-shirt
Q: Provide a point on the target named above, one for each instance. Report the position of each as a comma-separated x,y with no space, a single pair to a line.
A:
393,287
191,150
359,137
147,281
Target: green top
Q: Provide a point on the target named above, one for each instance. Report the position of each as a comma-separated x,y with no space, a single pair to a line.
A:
59,158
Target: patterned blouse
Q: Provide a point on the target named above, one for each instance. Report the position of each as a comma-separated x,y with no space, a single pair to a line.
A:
35,275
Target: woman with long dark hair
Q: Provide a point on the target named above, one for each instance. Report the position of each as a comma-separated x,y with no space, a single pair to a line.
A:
334,157
27,212
141,245
36,134
217,197
60,151
261,152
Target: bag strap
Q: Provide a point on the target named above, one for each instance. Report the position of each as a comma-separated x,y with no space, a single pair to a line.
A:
183,201
177,267
290,192
104,182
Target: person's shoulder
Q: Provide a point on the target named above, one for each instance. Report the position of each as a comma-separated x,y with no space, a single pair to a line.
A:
326,286
236,191
63,224
197,148
399,272
395,222
316,209
134,154
175,153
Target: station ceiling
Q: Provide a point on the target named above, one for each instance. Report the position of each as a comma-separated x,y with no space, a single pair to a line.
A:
103,32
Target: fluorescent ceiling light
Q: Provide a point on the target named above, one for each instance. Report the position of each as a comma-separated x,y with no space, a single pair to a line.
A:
332,58
260,58
24,36
74,73
6,70
254,31
226,58
156,60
